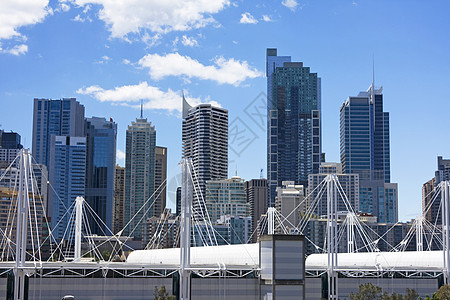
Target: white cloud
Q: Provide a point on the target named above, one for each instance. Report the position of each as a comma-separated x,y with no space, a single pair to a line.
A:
189,41
130,95
266,18
104,60
16,50
120,155
228,71
291,4
126,61
131,16
151,40
247,18
15,14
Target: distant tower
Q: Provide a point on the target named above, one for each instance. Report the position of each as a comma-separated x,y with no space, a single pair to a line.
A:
293,122
205,141
119,199
256,192
139,174
100,164
160,179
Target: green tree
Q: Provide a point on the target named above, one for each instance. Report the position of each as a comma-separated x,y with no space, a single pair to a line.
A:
443,293
367,291
106,255
162,294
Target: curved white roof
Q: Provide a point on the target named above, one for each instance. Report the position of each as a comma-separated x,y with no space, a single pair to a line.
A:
244,255
431,261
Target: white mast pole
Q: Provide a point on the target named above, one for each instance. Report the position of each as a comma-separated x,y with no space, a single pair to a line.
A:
271,220
78,218
185,230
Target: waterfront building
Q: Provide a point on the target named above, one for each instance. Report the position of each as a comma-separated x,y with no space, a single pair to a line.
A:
139,175
293,122
101,136
256,192
205,142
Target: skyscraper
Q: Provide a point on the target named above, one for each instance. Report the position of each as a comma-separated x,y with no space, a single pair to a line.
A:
100,163
293,122
160,179
119,199
67,174
364,146
205,142
431,203
365,136
55,117
9,148
256,192
139,175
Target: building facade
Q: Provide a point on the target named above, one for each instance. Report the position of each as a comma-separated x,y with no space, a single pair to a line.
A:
289,203
119,199
67,174
226,197
348,182
256,192
54,117
160,179
293,122
139,175
205,142
101,137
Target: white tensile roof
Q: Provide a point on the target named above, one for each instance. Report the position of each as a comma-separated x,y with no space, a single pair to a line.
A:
431,261
244,256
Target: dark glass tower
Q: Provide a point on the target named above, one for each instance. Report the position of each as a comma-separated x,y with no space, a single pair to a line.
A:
365,136
293,122
100,164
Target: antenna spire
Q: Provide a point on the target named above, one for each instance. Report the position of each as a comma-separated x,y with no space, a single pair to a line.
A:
142,109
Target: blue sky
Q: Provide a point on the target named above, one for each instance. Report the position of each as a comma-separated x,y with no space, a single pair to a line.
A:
111,54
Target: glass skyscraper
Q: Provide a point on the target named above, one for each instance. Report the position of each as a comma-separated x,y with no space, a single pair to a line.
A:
293,122
139,175
100,163
55,117
67,174
364,147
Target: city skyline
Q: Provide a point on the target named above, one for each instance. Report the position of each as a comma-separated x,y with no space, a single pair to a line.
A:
410,62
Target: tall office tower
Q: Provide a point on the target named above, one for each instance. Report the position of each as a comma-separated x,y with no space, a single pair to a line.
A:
293,122
55,117
119,199
139,175
205,142
160,180
349,184
67,173
431,203
100,163
288,203
226,197
9,148
365,151
365,136
256,192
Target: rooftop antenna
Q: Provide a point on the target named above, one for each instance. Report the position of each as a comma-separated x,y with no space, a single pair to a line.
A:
142,109
235,171
261,174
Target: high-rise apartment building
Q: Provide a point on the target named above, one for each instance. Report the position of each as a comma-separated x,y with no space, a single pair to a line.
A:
226,197
293,122
160,179
205,142
365,136
139,175
256,192
100,163
9,148
63,117
67,174
119,199
288,203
